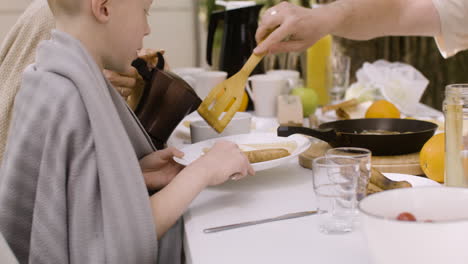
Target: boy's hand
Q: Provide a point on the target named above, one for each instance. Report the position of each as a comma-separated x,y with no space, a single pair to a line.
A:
159,168
223,162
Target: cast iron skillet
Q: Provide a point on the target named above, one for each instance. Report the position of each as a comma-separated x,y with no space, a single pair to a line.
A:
348,133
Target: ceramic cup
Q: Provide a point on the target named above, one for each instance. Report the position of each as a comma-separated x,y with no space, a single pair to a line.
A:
293,77
240,124
188,73
206,81
264,90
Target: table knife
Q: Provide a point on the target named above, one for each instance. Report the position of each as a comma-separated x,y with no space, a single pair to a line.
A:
256,222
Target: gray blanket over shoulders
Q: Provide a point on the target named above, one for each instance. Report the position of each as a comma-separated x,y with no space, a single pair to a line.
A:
71,189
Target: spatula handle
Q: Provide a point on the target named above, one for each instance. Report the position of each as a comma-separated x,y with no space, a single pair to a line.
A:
251,63
255,59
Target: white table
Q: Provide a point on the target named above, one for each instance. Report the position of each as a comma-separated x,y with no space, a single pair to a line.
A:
270,193
274,192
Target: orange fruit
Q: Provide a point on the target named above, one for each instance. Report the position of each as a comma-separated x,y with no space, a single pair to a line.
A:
432,158
382,109
244,103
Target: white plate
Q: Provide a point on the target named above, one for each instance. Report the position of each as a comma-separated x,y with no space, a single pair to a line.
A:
413,180
194,151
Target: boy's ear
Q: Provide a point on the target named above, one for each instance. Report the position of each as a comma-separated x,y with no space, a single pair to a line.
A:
100,10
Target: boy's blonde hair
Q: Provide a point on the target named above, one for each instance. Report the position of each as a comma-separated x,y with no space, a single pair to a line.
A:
64,7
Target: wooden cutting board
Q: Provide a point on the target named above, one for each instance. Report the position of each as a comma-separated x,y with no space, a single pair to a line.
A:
406,164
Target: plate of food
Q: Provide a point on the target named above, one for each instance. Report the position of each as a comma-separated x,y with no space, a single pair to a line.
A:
264,150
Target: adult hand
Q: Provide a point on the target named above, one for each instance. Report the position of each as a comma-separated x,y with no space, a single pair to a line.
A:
125,83
130,84
159,167
151,57
223,162
297,28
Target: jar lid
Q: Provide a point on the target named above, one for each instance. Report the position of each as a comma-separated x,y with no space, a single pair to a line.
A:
457,89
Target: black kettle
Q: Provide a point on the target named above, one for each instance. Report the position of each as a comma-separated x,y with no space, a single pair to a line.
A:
238,39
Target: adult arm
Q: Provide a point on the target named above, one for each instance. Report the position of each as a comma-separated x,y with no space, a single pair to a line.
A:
353,19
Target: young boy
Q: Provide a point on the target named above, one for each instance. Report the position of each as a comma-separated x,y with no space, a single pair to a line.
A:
73,176
18,50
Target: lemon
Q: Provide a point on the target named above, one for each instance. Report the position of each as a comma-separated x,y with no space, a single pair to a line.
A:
382,109
244,103
432,158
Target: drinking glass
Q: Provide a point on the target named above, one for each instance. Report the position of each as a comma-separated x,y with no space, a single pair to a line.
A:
340,67
364,157
334,181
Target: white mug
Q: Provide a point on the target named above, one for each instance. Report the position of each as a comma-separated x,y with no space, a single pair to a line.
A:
264,92
206,81
293,77
188,73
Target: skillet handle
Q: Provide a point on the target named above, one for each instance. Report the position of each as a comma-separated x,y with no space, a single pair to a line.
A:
327,135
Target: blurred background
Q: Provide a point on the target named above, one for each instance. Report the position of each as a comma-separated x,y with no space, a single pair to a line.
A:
180,27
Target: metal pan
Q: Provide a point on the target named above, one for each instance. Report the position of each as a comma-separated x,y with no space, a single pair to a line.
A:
410,135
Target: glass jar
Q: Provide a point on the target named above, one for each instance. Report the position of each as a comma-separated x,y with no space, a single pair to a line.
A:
456,135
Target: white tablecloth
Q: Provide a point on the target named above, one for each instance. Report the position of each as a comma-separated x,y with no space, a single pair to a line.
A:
281,190
270,193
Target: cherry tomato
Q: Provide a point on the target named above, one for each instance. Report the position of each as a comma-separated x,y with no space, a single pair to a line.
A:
406,217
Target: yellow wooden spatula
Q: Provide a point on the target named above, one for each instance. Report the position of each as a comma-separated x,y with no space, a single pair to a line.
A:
228,92
225,93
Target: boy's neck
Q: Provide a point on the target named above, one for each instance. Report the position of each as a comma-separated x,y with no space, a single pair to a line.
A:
87,35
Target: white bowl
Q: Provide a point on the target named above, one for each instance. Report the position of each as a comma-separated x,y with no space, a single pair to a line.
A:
201,131
445,240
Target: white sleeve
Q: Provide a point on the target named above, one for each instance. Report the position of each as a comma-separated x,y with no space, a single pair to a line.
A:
454,25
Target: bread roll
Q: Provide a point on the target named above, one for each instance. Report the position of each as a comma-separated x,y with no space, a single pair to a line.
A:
262,155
